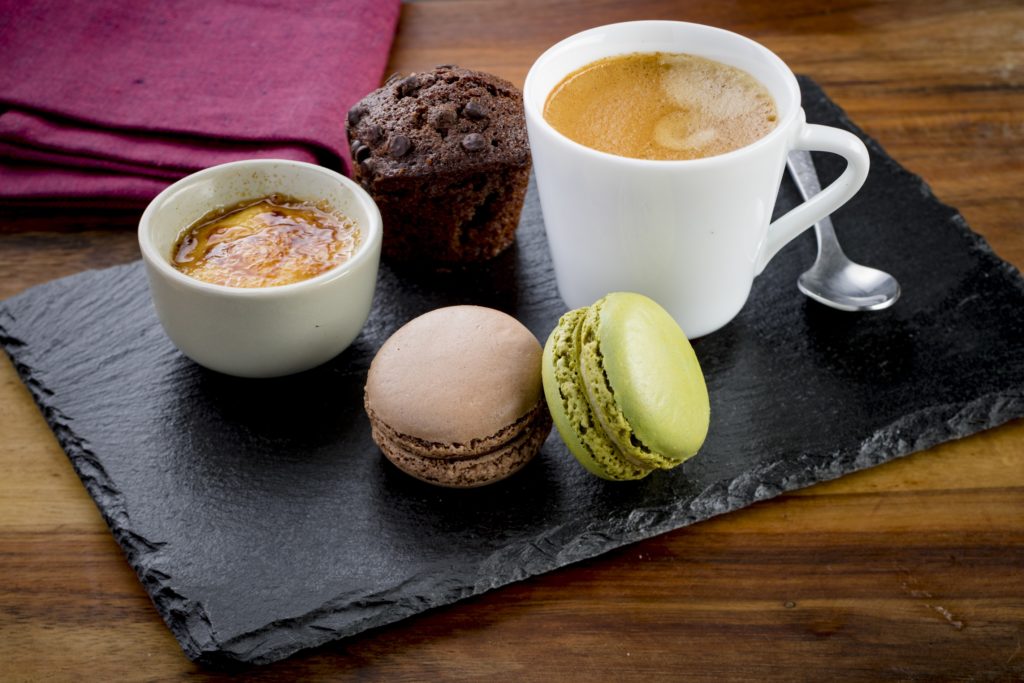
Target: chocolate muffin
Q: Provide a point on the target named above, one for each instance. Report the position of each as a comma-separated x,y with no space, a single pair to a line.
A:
444,154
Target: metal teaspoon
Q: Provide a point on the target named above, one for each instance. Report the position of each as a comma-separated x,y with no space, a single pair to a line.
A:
834,280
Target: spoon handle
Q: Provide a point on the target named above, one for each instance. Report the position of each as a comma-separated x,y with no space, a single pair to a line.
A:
804,173
801,167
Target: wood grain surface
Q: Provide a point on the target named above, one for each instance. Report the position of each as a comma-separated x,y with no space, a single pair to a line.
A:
910,571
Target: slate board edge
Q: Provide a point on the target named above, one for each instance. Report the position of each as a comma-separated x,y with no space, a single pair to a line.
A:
190,625
186,619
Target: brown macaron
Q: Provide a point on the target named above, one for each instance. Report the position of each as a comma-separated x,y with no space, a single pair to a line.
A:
455,397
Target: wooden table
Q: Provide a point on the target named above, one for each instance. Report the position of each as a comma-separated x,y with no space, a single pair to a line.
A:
907,571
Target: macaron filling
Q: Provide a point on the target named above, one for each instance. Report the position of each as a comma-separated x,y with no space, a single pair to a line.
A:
474,448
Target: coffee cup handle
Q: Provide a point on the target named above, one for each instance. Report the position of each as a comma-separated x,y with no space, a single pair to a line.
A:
815,138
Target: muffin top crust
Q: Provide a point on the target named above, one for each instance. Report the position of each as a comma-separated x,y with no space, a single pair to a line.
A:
448,119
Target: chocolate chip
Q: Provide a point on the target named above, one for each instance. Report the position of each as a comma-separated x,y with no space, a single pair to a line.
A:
399,146
392,78
474,142
446,66
356,113
368,165
360,151
443,117
408,86
373,132
475,110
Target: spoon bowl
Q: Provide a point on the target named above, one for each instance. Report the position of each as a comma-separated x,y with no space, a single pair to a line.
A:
840,283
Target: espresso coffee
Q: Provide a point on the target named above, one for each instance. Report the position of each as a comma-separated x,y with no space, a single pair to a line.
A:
661,106
265,242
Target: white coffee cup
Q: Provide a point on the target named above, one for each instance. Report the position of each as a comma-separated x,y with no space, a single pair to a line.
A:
691,234
260,331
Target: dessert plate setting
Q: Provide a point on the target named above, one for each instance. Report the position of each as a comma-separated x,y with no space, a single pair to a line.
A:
262,518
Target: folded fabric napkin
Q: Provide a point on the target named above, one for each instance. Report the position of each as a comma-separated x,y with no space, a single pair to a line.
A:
106,102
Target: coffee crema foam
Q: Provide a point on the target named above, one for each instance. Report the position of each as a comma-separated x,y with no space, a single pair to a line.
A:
661,105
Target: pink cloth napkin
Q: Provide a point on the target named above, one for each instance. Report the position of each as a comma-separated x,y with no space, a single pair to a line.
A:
109,101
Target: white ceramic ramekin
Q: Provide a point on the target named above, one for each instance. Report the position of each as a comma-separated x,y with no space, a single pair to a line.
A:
262,331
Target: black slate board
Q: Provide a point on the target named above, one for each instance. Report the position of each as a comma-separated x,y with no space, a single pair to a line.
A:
262,519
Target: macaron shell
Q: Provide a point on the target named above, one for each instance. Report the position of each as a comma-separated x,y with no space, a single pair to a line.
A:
654,375
570,409
455,374
602,400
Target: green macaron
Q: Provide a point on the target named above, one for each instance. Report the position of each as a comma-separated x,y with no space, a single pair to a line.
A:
624,387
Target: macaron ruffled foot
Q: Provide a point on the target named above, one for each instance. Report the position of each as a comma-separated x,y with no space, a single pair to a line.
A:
624,388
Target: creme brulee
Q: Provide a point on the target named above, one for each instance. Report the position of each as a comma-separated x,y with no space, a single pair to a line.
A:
265,242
